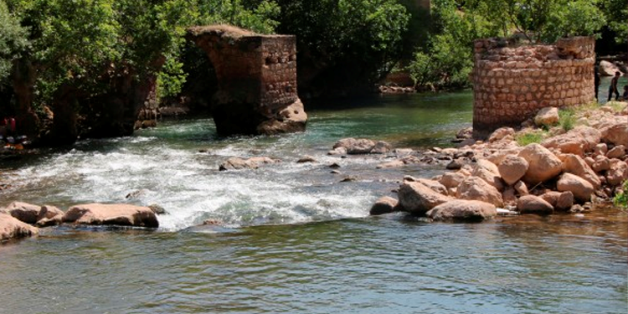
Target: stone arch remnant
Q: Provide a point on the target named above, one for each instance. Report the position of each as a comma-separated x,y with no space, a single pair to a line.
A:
512,82
257,80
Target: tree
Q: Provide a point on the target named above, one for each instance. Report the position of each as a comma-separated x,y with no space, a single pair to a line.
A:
13,41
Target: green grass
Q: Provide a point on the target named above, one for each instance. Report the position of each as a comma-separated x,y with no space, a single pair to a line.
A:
617,106
525,138
621,199
567,118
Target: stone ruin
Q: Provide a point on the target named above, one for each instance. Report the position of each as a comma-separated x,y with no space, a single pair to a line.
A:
257,80
511,82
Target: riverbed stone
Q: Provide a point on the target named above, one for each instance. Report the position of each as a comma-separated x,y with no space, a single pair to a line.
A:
546,117
576,165
416,198
452,179
543,164
476,189
531,204
362,146
616,134
501,133
42,216
617,172
384,205
111,214
12,228
463,210
581,188
512,169
601,163
618,152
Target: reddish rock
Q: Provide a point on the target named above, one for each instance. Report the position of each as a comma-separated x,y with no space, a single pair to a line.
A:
617,172
581,188
112,214
463,210
452,179
618,152
531,204
384,205
576,165
512,169
543,164
11,228
416,198
476,189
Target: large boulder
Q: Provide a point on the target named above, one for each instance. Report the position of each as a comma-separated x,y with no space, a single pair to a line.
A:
111,214
618,152
543,164
513,168
34,214
476,189
531,204
547,117
416,198
463,210
617,172
601,163
384,205
362,146
576,165
616,133
581,188
434,185
11,228
607,68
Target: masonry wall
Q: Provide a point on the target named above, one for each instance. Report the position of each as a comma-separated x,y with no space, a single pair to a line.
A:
511,83
279,71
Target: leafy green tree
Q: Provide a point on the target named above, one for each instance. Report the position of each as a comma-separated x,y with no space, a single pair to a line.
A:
616,12
343,44
13,41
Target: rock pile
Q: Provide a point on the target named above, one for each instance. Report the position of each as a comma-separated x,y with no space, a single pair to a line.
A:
562,173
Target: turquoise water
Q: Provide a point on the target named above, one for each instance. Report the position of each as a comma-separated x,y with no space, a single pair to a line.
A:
295,239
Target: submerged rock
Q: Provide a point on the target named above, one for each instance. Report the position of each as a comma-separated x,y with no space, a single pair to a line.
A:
111,214
354,146
237,163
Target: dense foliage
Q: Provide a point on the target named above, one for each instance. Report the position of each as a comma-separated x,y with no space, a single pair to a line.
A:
447,60
13,41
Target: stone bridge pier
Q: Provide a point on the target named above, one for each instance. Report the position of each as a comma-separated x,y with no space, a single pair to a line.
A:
257,80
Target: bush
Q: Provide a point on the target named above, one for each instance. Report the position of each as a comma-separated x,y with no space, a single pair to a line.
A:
525,138
621,198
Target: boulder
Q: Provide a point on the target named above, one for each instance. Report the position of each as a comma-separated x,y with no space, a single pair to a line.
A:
521,188
531,204
543,164
551,197
617,133
547,117
488,165
463,210
576,165
489,177
416,198
112,214
306,159
509,195
384,205
11,228
607,68
452,179
474,188
601,163
577,141
34,214
617,172
600,149
512,169
455,164
618,152
565,201
338,151
501,133
157,209
363,146
581,188
499,156
434,185
236,163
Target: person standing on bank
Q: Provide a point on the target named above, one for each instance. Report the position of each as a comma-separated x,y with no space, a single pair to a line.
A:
613,88
597,83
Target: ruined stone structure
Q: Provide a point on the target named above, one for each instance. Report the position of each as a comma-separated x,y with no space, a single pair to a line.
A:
257,80
511,83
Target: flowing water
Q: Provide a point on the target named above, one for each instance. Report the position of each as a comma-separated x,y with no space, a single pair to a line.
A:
295,239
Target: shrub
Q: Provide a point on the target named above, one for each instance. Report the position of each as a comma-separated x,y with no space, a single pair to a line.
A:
525,138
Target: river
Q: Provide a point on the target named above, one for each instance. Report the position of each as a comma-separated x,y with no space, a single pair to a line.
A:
295,239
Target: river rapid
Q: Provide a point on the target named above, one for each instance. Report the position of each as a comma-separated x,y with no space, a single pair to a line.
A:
295,238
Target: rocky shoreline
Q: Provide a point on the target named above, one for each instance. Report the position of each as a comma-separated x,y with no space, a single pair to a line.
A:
567,171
